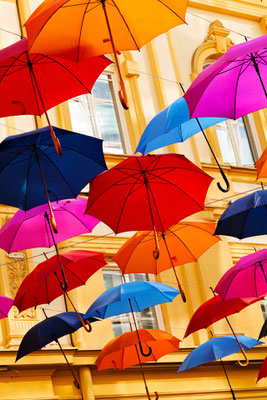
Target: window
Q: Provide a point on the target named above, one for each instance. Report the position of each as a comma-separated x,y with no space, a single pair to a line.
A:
264,308
146,319
99,114
236,142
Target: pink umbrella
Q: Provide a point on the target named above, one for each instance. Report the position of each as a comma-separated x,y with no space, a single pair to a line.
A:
232,86
5,304
248,278
30,229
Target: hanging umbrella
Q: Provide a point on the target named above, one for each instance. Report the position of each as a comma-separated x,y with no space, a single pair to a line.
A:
248,278
43,284
261,165
5,305
263,331
122,352
234,85
245,217
182,243
263,370
100,28
216,348
32,173
172,125
214,310
34,83
130,297
30,229
148,192
49,330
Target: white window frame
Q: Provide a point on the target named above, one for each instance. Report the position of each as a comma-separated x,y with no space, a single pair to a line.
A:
122,127
129,319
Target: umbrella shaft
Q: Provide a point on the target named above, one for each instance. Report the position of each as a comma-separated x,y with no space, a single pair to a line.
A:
258,72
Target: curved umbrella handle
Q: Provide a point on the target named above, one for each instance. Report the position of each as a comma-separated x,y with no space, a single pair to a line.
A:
142,351
89,328
226,181
123,96
157,395
243,364
64,285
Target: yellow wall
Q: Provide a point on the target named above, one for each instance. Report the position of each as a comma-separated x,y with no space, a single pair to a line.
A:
152,76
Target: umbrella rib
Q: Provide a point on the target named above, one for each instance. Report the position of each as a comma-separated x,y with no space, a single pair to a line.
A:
127,26
81,28
27,180
35,94
76,276
236,87
230,283
160,1
47,232
10,66
47,294
177,237
75,216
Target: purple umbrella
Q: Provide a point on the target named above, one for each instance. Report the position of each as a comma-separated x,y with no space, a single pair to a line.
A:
232,86
248,278
5,304
30,229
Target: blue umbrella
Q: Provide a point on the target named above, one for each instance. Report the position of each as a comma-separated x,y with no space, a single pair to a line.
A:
29,160
216,348
49,330
245,217
172,125
131,297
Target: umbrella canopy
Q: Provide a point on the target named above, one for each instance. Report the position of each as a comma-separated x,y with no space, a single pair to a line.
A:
29,160
263,331
245,217
147,192
172,125
5,304
215,309
261,165
27,230
248,278
263,370
33,83
232,86
121,352
129,297
216,348
42,286
186,241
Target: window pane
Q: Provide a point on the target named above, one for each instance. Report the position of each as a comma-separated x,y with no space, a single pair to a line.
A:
80,117
243,142
108,127
225,144
101,90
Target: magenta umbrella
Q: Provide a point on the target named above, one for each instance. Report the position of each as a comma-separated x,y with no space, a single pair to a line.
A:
232,86
30,229
5,304
248,278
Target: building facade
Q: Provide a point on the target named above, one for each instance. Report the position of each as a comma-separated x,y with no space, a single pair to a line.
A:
152,78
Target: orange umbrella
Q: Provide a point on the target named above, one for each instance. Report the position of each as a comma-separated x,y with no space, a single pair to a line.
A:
123,351
261,165
100,27
182,243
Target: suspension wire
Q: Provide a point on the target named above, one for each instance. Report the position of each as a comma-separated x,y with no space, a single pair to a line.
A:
233,195
12,33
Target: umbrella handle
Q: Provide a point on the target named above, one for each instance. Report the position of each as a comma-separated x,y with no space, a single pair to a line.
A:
157,395
142,350
123,96
64,285
225,190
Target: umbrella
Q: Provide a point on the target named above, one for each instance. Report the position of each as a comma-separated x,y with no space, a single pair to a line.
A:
248,278
34,83
263,331
32,173
172,125
131,297
122,351
43,285
261,165
215,309
232,86
148,192
245,217
100,28
49,330
182,243
215,349
30,229
5,304
263,370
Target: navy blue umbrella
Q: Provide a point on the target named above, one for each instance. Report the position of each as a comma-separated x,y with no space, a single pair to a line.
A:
245,217
49,330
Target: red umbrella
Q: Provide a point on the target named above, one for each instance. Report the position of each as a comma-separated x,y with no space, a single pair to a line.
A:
263,370
148,192
215,309
42,285
32,83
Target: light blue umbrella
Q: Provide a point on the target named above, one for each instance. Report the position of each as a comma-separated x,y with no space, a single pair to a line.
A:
173,125
216,348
